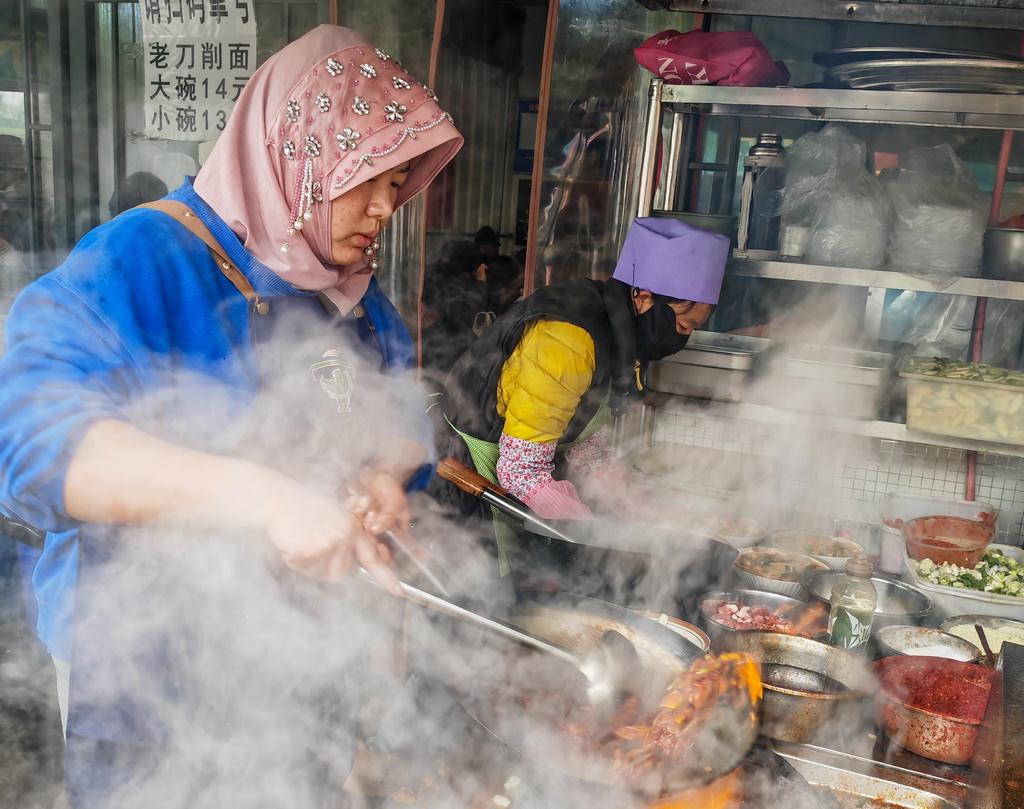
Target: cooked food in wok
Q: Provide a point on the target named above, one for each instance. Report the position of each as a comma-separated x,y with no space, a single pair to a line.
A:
691,713
697,711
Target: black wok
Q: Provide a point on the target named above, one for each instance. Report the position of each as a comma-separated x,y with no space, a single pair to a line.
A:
522,708
637,565
623,563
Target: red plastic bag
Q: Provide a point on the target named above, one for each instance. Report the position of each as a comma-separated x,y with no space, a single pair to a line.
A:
728,58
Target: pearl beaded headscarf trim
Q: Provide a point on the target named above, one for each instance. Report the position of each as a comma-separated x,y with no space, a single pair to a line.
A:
333,112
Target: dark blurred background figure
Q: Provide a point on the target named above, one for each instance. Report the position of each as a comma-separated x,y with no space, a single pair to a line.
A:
15,233
504,283
486,239
136,189
456,296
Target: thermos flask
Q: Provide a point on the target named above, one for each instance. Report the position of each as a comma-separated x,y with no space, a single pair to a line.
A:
758,235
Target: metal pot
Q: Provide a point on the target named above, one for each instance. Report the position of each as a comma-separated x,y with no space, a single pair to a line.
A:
807,684
1003,254
898,602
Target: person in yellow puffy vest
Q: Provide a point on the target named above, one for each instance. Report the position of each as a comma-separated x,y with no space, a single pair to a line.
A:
531,401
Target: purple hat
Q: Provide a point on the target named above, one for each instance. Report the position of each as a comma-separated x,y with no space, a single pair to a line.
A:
671,258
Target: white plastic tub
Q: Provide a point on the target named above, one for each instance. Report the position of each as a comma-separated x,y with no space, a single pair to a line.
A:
899,507
951,601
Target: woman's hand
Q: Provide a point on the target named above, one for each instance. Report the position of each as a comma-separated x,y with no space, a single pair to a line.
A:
325,540
379,500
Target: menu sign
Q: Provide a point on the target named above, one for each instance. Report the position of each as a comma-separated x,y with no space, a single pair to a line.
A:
198,56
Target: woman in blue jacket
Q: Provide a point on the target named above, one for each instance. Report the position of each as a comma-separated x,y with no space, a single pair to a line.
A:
187,405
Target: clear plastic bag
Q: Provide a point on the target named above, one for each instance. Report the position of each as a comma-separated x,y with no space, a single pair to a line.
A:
814,163
937,325
852,224
844,206
941,215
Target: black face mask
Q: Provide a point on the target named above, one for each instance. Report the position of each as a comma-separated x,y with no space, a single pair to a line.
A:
656,333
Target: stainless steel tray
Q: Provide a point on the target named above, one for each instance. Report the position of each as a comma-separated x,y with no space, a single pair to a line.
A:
835,365
826,380
846,56
712,366
719,350
882,785
935,75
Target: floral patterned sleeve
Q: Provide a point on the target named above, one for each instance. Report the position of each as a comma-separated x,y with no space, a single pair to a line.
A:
591,454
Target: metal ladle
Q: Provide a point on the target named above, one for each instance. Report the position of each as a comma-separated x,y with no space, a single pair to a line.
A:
611,667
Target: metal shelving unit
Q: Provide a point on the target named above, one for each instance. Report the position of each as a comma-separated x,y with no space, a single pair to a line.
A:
963,110
887,11
880,279
886,430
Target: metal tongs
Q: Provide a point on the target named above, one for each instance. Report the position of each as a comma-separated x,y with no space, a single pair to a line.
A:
610,666
471,481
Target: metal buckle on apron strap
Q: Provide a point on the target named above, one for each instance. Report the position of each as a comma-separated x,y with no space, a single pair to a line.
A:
22,532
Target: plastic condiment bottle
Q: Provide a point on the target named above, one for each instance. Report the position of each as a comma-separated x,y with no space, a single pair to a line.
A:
853,606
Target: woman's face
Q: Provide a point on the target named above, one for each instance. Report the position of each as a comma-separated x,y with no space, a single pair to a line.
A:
358,215
689,315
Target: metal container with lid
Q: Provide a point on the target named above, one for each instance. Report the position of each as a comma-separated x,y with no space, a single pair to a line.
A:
712,366
828,380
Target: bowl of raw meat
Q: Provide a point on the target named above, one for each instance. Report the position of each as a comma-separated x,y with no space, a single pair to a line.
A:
722,611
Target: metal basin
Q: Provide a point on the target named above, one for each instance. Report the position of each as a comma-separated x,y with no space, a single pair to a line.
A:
808,685
808,620
898,602
921,640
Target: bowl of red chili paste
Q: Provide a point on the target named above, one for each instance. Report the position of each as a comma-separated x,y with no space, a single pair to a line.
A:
947,539
932,706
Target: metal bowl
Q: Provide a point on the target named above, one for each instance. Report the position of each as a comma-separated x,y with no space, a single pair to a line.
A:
808,620
997,630
751,574
687,631
898,602
810,688
833,551
1003,254
899,639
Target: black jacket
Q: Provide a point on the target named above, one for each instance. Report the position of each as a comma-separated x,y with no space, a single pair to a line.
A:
602,308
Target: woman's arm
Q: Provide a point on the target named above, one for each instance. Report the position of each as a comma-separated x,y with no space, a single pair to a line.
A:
540,388
120,474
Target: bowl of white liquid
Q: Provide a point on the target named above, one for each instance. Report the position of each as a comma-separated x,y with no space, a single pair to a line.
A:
899,639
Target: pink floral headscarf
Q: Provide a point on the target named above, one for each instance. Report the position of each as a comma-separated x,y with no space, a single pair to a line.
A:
324,114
